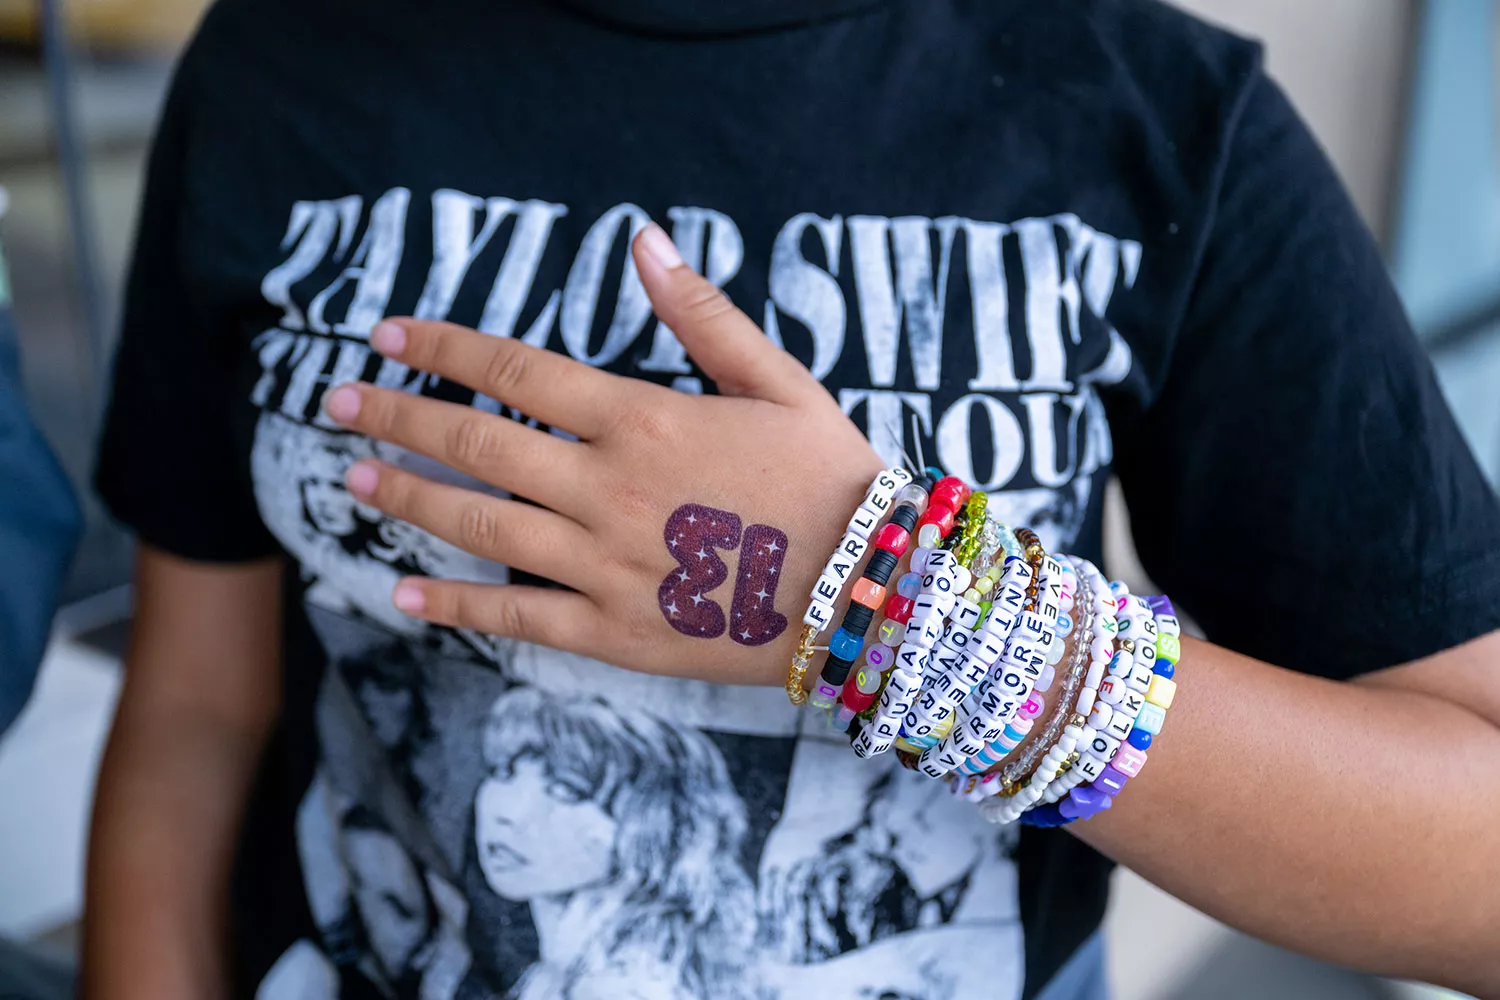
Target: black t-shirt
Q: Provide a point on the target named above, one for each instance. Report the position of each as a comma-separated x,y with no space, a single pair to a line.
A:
1061,240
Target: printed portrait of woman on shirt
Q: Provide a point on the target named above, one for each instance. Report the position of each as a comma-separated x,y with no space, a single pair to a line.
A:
623,835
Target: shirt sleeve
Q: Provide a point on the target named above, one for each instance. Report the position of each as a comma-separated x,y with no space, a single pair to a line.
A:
170,466
1299,482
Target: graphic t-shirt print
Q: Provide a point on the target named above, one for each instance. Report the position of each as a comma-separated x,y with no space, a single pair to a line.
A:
491,819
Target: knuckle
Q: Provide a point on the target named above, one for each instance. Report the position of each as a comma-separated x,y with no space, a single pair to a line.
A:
450,606
474,439
506,369
704,303
435,348
391,492
650,421
478,528
511,619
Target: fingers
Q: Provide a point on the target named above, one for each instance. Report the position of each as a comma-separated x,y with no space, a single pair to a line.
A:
727,345
496,450
514,534
556,390
556,618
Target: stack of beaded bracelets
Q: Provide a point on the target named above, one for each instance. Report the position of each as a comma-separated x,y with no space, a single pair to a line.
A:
871,587
956,683
1106,715
1110,761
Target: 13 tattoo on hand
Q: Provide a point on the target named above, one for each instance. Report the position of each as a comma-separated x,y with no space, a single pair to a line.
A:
694,534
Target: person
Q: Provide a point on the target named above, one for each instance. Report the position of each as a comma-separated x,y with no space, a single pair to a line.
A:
1039,245
39,527
391,923
623,837
39,524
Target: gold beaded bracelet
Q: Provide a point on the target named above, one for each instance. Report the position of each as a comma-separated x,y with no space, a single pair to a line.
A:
797,673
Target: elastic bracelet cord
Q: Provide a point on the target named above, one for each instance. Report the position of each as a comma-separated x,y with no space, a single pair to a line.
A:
837,571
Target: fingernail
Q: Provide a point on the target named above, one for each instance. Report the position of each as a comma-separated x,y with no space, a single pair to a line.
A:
342,404
388,338
408,599
660,246
361,479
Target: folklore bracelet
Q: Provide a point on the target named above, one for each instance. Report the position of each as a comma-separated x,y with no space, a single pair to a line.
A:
836,572
1129,758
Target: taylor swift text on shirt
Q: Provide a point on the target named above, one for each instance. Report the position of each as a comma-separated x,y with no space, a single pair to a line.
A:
1002,391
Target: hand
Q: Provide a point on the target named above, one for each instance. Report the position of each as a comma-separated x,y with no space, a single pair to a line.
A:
689,528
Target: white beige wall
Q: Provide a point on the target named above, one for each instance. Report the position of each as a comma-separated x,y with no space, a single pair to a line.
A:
1344,64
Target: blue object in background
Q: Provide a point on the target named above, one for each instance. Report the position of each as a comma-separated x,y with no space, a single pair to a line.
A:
39,526
1446,253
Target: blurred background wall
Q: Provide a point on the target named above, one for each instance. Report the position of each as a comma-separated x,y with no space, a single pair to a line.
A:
1403,94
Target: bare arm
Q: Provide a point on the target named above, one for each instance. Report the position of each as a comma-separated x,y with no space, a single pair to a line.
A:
202,690
1356,822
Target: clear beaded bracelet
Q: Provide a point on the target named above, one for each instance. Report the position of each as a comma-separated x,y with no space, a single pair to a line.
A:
986,738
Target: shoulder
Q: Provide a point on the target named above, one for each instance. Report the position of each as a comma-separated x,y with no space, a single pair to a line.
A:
1184,77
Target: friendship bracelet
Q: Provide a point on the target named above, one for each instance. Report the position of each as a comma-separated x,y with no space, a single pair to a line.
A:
1097,754
988,738
1012,776
961,669
992,705
890,543
1129,758
830,583
923,630
1026,791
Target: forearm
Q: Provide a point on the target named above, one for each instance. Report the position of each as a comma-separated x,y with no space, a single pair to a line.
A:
166,820
1355,822
202,692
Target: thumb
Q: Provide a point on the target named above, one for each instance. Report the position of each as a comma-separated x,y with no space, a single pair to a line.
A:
726,343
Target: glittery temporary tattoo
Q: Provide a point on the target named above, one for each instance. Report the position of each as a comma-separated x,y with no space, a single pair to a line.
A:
753,618
693,534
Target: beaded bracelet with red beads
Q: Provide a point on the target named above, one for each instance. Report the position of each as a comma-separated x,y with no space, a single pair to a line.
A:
890,542
923,617
830,585
862,687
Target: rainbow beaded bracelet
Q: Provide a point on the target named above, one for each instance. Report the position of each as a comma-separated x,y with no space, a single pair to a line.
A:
836,572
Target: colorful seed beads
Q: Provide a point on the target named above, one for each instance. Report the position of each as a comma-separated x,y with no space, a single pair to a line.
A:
922,633
836,572
962,668
848,641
